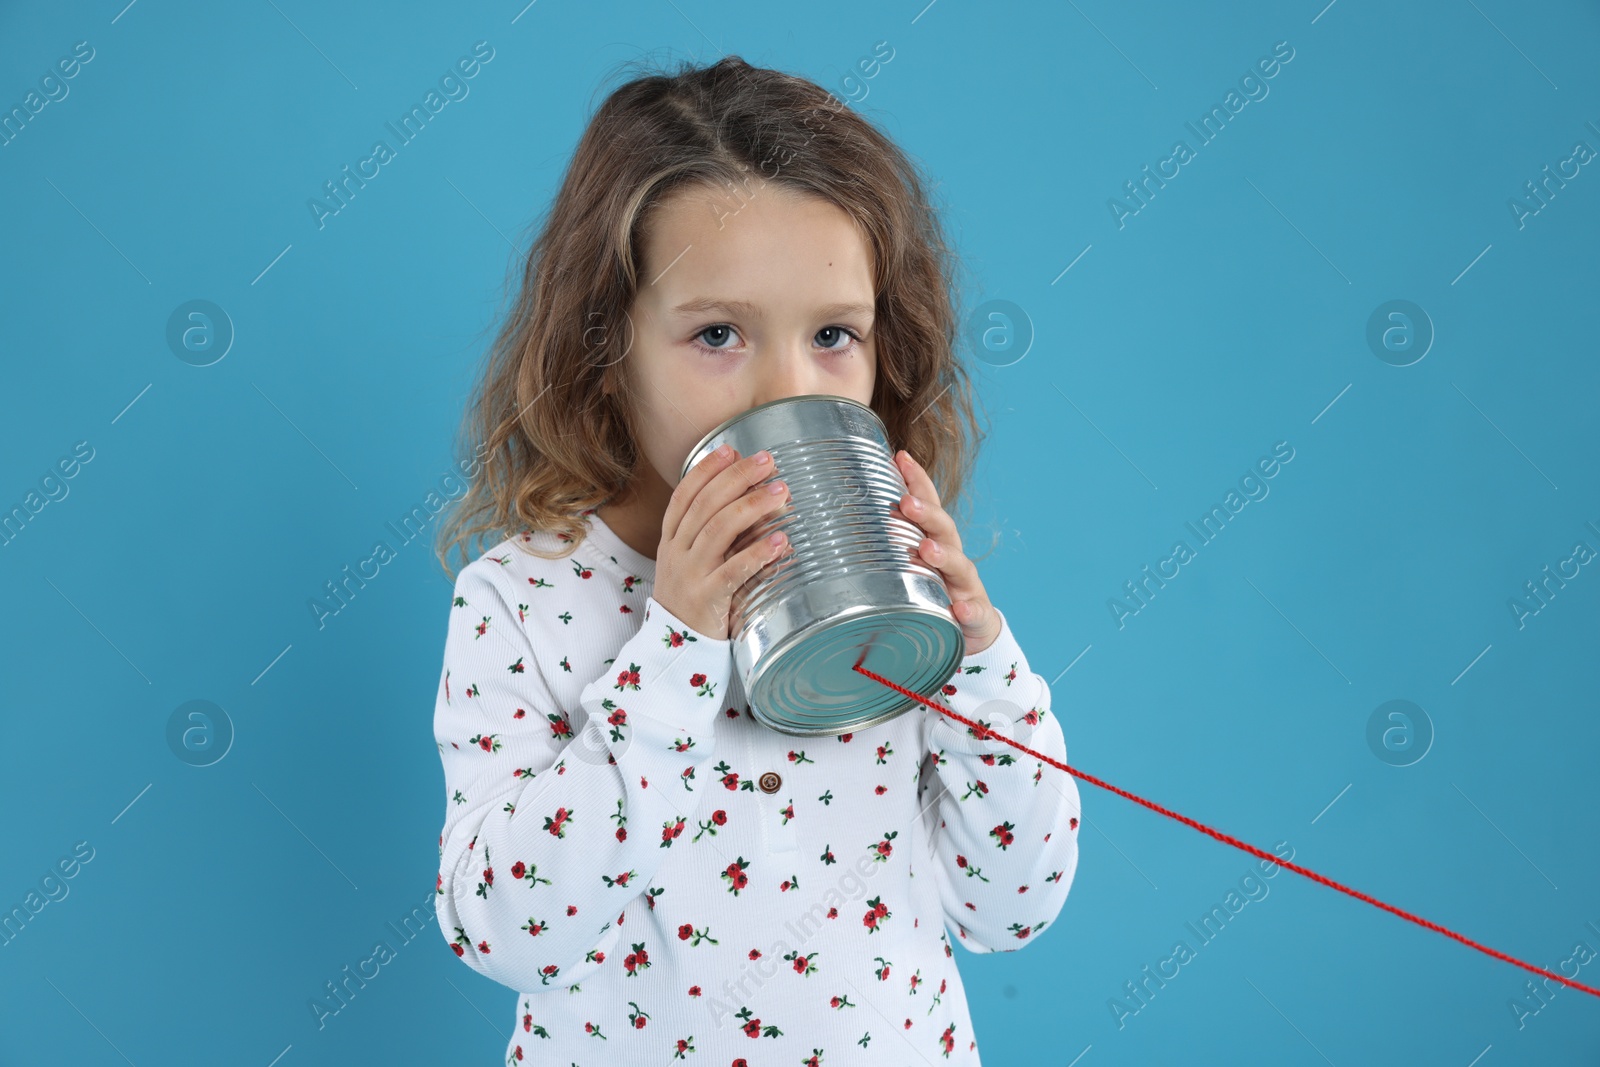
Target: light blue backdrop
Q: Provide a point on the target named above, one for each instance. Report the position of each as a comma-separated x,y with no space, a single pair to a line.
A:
1170,344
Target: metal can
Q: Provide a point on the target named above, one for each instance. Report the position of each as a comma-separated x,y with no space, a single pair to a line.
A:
852,587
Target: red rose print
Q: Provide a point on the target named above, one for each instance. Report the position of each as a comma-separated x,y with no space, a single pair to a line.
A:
735,876
877,912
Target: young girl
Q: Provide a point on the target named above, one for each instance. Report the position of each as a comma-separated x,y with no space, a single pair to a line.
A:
658,875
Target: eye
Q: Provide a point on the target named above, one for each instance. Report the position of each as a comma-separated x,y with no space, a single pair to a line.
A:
839,330
720,329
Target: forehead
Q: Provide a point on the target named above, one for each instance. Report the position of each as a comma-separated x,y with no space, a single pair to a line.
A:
769,245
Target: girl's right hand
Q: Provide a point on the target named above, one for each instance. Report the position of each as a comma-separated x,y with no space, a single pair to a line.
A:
711,506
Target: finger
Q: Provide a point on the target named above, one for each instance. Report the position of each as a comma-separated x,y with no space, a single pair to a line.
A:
725,487
933,520
976,616
960,573
690,485
741,516
746,563
917,478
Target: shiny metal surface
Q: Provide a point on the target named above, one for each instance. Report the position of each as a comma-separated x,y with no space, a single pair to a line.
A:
851,587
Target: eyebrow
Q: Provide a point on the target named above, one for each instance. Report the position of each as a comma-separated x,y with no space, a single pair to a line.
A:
749,310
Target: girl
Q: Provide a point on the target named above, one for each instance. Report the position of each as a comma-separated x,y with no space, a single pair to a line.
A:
658,875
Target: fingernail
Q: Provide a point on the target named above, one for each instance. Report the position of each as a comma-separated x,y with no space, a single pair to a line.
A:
916,505
775,487
723,450
763,457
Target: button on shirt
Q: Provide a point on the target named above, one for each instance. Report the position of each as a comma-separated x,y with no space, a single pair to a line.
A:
617,850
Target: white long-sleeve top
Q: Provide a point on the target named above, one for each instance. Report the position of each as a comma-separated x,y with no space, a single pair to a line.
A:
661,877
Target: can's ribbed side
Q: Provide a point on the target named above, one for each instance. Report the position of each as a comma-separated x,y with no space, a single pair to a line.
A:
837,520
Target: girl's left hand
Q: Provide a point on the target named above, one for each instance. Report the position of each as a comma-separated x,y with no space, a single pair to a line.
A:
941,550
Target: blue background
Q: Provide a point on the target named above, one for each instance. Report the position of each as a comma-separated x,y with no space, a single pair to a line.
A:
1228,314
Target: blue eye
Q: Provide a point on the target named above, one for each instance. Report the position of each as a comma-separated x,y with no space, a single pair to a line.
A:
710,329
854,340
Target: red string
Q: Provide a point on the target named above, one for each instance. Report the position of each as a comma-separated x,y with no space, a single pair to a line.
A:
984,732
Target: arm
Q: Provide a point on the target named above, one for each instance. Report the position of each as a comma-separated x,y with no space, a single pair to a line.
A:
548,835
1004,826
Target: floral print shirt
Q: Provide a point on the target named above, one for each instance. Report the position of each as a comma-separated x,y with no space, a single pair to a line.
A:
662,878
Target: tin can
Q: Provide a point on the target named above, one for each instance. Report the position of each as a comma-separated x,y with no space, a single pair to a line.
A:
851,588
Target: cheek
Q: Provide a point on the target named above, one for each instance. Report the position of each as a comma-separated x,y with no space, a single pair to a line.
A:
855,377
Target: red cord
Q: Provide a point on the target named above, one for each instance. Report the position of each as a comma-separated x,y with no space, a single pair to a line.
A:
984,732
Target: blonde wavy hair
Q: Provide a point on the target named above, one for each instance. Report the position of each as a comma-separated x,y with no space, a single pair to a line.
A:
550,424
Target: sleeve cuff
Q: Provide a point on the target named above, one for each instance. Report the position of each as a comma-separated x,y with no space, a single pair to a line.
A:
996,679
998,659
656,615
672,672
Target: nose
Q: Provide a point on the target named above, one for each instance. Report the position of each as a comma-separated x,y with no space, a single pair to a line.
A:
786,370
